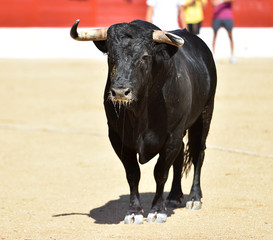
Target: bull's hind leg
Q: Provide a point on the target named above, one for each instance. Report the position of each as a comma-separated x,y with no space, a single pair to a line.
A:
174,199
128,158
197,135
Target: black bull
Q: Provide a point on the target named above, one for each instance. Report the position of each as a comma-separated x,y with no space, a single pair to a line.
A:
155,93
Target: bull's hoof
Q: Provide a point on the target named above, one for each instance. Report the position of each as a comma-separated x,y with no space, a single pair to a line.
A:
157,217
194,205
133,219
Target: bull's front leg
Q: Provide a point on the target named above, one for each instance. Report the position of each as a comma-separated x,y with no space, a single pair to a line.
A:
158,211
135,212
128,158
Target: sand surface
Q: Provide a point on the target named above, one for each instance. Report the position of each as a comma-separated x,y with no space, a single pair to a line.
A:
60,178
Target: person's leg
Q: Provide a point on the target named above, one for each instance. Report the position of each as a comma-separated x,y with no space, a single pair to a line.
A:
232,58
216,24
229,26
190,28
231,42
197,27
213,41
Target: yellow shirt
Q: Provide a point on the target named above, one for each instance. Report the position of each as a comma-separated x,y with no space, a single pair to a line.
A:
194,13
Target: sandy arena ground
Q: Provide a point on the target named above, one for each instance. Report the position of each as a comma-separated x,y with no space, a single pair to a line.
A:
60,178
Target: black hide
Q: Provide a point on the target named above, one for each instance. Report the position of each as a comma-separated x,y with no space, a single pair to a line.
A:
154,94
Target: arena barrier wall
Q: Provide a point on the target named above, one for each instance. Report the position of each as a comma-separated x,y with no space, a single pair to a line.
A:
61,13
57,43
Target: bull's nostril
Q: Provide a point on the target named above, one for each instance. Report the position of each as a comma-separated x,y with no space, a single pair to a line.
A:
120,93
127,92
113,93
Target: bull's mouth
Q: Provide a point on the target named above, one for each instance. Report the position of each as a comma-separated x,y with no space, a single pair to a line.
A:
121,102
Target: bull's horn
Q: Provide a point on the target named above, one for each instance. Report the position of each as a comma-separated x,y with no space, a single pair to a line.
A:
166,37
90,35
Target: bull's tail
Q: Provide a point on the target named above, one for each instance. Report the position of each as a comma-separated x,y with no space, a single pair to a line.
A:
195,147
188,159
194,151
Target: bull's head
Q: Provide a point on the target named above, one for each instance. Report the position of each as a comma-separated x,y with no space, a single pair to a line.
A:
131,48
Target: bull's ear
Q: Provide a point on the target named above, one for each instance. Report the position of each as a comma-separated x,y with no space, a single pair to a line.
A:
164,51
101,45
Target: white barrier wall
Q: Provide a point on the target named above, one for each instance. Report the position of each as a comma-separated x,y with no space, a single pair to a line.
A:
248,42
56,43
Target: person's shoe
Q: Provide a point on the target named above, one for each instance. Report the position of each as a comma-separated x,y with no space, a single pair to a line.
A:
233,60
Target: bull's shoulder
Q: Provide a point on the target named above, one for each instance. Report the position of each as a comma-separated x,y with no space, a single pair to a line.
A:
194,47
188,37
191,40
180,32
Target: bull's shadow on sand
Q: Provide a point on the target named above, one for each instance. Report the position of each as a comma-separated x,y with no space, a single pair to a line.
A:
114,211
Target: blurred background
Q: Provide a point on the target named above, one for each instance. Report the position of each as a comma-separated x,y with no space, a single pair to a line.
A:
40,28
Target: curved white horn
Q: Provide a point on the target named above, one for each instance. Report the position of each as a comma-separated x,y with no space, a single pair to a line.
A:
169,38
99,34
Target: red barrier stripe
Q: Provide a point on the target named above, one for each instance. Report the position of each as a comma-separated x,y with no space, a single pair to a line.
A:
62,13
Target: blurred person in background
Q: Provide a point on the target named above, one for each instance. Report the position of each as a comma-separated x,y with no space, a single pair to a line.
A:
166,14
223,17
194,14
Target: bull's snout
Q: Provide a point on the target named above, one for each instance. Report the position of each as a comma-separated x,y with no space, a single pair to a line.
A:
121,95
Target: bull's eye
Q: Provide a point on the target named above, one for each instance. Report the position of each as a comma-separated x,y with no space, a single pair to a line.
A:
145,57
